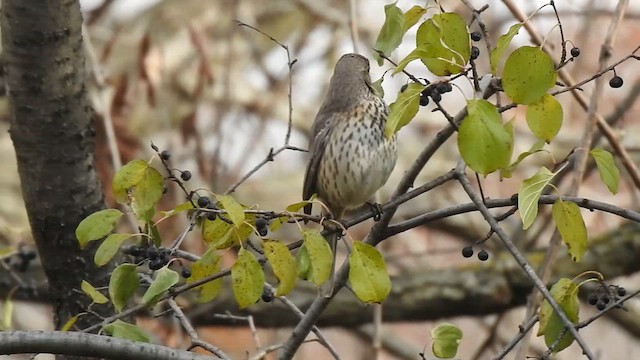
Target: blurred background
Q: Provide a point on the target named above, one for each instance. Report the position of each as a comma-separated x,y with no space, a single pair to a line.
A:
185,76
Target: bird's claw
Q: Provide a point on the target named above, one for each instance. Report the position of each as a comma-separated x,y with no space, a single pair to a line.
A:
377,211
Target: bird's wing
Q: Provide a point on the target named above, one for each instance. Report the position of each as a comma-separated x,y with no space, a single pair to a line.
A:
321,131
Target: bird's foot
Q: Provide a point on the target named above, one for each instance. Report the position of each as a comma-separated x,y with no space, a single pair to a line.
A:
377,210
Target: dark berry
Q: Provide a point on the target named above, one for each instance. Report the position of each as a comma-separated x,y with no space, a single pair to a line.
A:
28,255
605,299
475,52
601,306
267,297
212,216
435,95
134,251
186,175
467,251
621,291
156,264
261,226
204,201
593,298
443,88
186,273
575,52
476,36
152,253
404,87
483,255
165,255
424,101
165,155
616,82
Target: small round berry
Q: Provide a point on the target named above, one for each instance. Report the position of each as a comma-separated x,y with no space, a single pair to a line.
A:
186,175
601,306
165,155
156,264
211,216
424,101
186,273
593,298
444,88
621,291
467,251
165,255
404,87
575,52
28,255
261,226
267,296
134,250
152,253
476,36
483,255
616,82
605,299
435,95
475,52
203,201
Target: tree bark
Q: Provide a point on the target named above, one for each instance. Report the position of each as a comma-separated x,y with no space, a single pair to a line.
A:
53,134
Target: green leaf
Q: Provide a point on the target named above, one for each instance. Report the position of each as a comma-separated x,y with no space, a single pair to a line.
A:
565,293
528,74
138,184
529,194
248,279
208,264
412,17
377,87
109,248
235,211
508,172
483,141
97,225
414,55
503,42
544,117
320,256
609,173
70,323
165,278
446,338
123,330
122,285
571,227
94,294
403,109
368,275
185,206
8,251
303,263
221,235
445,41
390,35
283,265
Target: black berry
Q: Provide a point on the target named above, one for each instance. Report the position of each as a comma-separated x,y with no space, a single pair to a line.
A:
443,88
475,52
616,82
156,264
483,255
467,251
211,216
435,95
134,251
204,201
404,87
152,253
186,175
621,291
593,299
476,36
575,52
424,101
601,306
186,273
28,255
165,155
261,226
605,299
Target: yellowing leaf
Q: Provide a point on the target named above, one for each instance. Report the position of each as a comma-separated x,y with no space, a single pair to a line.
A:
565,293
235,211
70,323
123,330
503,42
446,338
208,264
609,173
139,185
529,194
295,207
320,256
536,147
97,225
571,227
109,248
528,74
483,141
283,265
122,285
412,16
94,294
446,44
165,278
248,279
403,109
544,117
221,235
368,275
390,35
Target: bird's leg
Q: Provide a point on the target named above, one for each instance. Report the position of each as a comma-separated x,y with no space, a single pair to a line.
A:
377,210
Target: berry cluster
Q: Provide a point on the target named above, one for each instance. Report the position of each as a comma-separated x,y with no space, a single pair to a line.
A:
157,257
20,261
204,202
603,295
467,252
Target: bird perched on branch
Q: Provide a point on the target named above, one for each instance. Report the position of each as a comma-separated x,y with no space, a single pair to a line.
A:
351,158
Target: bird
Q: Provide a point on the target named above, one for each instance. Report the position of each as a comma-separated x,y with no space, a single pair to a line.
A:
350,155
